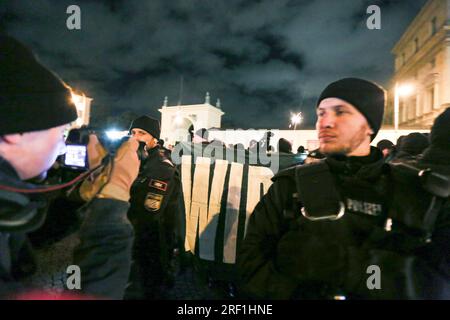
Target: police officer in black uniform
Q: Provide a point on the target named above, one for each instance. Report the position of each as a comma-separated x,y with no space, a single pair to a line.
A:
332,229
154,205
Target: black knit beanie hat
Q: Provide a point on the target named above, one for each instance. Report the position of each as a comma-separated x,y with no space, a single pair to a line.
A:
284,146
148,124
440,131
384,144
414,143
368,97
31,96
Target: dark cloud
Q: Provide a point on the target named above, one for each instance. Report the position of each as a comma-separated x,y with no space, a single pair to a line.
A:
261,58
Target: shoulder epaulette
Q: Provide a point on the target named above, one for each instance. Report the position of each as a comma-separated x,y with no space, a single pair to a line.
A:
168,162
289,172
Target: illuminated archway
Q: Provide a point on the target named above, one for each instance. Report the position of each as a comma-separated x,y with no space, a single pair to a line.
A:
181,128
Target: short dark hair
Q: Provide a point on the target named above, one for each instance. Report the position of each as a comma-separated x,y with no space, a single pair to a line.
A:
284,146
301,149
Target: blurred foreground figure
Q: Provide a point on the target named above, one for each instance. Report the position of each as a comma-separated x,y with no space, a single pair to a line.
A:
35,109
343,227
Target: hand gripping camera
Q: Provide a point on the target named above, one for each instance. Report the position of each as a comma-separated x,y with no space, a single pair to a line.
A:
76,157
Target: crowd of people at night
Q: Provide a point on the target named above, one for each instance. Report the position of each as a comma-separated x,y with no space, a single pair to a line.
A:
329,216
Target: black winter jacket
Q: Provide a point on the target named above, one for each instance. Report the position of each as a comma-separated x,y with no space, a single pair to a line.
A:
104,252
286,256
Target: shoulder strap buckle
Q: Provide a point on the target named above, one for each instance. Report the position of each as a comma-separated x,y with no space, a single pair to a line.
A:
332,217
317,189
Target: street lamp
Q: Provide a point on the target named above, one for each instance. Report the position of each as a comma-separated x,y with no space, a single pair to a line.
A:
403,90
83,105
295,120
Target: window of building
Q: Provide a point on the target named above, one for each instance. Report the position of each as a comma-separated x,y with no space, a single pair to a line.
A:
403,58
433,26
403,113
412,108
416,45
430,100
419,109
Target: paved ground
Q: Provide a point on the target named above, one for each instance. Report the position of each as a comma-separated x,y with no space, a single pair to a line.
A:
190,286
189,282
193,284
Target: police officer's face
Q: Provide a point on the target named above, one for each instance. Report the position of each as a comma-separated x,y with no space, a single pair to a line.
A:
144,136
342,129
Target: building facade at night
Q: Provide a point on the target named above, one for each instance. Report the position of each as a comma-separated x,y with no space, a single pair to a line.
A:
421,82
83,105
176,120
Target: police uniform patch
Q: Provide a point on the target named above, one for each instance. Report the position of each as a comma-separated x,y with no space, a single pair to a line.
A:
153,201
158,184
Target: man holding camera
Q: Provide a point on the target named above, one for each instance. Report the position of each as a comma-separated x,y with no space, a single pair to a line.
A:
342,227
35,110
153,212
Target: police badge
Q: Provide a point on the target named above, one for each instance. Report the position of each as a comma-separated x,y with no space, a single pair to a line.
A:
158,184
153,201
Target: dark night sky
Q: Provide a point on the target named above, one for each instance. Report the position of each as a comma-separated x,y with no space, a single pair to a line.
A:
261,58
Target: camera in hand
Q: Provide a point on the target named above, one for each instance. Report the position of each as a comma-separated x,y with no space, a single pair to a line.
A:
76,156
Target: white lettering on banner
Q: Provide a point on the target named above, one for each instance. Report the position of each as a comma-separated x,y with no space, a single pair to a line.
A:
232,213
257,176
207,238
202,216
186,187
199,205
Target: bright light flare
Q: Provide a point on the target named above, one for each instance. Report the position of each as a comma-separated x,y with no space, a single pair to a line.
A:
296,118
406,90
178,119
116,134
